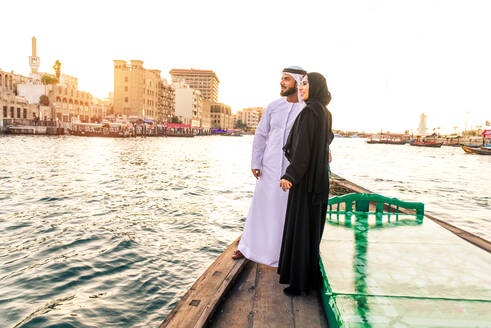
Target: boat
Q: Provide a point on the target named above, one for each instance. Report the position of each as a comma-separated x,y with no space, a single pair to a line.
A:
388,272
104,129
233,133
426,144
389,138
429,141
484,148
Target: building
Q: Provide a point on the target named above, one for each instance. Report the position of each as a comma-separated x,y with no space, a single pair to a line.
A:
206,116
12,105
203,80
166,101
250,116
188,104
138,92
221,116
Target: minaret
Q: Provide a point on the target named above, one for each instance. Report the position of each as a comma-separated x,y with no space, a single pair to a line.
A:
422,125
34,60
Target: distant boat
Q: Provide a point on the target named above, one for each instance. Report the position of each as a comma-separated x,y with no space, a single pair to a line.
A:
426,144
389,138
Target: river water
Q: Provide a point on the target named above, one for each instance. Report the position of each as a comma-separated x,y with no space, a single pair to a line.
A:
101,232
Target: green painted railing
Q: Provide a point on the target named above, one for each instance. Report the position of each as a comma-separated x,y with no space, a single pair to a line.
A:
385,206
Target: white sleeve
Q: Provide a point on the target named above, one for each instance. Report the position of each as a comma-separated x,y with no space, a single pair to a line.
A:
260,139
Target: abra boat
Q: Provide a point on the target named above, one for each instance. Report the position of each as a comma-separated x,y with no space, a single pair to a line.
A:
394,271
389,138
484,149
426,144
105,129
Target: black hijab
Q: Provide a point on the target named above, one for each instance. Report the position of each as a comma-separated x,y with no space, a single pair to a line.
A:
318,90
314,120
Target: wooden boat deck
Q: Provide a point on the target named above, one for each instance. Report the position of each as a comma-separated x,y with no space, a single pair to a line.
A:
257,300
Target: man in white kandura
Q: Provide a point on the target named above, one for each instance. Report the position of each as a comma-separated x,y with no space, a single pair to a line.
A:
263,231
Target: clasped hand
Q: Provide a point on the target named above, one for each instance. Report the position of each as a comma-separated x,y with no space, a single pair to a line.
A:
285,184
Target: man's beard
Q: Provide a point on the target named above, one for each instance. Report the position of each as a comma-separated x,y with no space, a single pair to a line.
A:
288,92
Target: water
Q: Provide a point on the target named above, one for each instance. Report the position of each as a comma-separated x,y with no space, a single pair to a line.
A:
112,232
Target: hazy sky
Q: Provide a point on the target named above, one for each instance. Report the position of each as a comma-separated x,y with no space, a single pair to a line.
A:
386,62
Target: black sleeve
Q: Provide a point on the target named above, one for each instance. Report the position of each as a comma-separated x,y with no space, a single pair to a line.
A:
302,147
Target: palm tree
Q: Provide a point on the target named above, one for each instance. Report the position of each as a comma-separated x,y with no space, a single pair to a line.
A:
57,68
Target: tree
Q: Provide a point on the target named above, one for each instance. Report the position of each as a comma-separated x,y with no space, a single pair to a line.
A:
47,79
175,119
241,125
44,100
57,68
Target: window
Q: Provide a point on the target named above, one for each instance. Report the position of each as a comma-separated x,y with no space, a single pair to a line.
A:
125,99
25,113
4,111
18,112
125,88
12,112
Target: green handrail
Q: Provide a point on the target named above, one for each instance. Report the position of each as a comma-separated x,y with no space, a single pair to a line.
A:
362,206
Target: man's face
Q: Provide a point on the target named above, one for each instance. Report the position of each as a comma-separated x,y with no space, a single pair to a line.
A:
288,85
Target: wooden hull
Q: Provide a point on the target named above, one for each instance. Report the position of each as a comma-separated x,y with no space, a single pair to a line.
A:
478,151
387,142
97,134
427,144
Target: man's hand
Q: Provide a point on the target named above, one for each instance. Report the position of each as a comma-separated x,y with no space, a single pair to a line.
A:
330,157
285,184
256,173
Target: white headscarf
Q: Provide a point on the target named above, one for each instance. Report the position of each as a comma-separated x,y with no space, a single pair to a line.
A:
297,73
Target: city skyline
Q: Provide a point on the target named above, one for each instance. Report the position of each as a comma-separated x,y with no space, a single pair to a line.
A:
385,62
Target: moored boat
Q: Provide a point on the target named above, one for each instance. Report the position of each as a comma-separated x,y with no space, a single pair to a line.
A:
389,138
426,144
484,148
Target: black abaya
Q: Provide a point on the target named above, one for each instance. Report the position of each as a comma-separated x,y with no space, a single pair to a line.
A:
307,149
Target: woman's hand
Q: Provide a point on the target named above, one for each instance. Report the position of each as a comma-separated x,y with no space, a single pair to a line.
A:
285,184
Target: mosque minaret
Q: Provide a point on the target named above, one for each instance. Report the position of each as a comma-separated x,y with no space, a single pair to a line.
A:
34,61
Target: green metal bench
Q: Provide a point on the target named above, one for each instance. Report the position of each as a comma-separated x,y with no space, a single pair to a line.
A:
384,205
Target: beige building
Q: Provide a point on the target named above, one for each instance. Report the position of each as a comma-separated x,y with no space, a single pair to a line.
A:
166,101
205,81
13,106
250,116
188,104
221,116
140,92
206,116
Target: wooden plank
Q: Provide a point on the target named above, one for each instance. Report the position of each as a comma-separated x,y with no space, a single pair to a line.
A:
236,309
199,303
272,308
308,311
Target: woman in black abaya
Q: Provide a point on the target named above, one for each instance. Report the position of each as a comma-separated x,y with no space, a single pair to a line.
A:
307,178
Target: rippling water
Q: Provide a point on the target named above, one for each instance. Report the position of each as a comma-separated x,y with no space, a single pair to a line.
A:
112,232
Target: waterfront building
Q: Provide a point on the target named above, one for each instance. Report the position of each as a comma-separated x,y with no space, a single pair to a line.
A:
188,104
206,116
221,116
12,105
250,116
166,101
140,92
205,81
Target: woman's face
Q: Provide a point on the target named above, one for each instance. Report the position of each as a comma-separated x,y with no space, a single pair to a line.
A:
304,88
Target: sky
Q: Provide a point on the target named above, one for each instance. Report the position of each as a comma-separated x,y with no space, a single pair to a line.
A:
385,62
